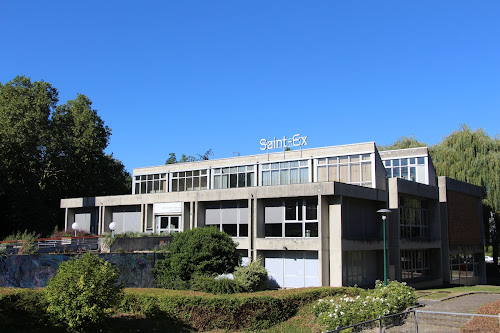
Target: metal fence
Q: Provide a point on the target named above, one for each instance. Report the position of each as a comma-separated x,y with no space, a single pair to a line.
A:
383,323
47,245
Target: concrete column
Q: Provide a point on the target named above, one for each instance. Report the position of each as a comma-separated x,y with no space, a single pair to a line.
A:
251,222
66,219
324,236
99,220
144,220
335,241
191,214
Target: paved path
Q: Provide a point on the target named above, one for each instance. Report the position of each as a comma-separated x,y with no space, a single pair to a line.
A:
468,303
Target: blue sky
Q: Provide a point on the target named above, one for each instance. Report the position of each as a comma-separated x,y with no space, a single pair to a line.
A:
187,76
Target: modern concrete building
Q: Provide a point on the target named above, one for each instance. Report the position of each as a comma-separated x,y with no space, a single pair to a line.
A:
311,214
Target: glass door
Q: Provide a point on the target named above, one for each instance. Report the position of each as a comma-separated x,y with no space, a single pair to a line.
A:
168,223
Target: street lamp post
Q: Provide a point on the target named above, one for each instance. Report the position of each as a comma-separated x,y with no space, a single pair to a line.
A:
384,217
112,227
74,226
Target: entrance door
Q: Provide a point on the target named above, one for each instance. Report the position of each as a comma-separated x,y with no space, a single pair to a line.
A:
168,223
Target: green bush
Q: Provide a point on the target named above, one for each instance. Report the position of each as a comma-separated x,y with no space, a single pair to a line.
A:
215,285
23,309
252,277
200,251
83,291
26,241
381,301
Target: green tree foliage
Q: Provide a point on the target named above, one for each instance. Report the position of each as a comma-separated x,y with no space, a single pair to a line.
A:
83,291
172,159
473,157
200,251
252,277
49,152
403,143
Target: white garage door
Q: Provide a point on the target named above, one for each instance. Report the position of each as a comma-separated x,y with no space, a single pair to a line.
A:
292,269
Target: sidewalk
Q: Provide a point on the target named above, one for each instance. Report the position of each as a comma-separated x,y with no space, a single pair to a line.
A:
465,303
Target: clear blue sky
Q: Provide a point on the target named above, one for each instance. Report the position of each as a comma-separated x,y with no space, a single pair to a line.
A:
187,76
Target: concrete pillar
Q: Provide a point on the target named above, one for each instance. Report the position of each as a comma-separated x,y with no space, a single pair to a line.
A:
324,236
335,241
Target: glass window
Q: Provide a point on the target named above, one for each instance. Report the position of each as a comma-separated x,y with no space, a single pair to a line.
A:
421,160
237,177
293,229
150,183
273,230
288,216
284,173
228,216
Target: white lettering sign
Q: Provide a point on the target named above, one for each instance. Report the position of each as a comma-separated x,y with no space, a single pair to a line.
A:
167,208
294,141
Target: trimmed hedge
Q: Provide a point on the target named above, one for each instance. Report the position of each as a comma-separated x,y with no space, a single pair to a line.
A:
233,312
196,310
23,308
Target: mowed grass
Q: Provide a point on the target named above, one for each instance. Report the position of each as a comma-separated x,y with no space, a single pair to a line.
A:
442,293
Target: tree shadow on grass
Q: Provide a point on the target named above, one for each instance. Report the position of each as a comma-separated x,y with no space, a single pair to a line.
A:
133,323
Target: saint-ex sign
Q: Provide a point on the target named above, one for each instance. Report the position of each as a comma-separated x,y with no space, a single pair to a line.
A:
294,141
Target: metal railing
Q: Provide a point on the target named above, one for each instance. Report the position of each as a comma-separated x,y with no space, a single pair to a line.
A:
398,319
381,322
86,243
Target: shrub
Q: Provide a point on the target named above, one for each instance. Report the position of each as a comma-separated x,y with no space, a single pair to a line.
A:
215,285
252,277
26,240
83,291
22,309
200,251
347,310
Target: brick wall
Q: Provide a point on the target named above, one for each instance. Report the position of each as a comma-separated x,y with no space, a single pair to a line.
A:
463,219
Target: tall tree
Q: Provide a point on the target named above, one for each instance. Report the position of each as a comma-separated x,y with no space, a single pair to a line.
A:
49,152
403,143
472,157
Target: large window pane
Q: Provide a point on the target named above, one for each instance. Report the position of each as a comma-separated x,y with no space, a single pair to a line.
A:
250,179
290,211
355,173
344,173
243,230
233,180
284,177
293,229
322,174
333,174
304,175
241,180
366,172
230,229
273,229
311,229
311,210
275,177
266,178
294,176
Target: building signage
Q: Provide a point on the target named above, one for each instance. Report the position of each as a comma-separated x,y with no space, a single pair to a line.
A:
167,208
294,141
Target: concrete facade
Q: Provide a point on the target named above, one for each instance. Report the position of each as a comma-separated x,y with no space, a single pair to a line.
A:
310,215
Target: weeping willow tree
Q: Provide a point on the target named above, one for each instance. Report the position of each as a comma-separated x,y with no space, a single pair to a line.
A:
472,157
403,143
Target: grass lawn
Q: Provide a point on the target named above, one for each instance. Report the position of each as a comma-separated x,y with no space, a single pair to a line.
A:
442,293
